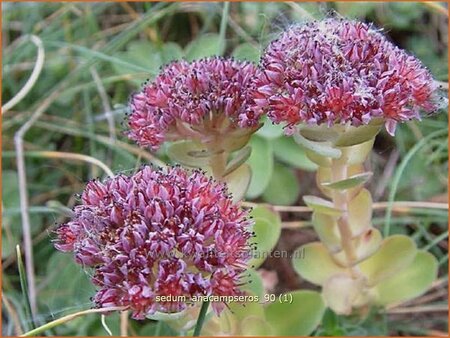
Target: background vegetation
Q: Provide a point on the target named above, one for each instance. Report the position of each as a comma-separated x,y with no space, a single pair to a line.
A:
97,54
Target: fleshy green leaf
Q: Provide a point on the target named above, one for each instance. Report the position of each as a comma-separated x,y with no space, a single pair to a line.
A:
340,291
188,154
313,263
241,156
255,285
238,181
358,153
327,229
267,230
204,46
171,51
360,212
283,187
365,245
357,135
255,326
236,140
261,162
351,182
140,53
297,318
396,253
247,52
320,133
321,205
410,282
321,148
269,130
324,175
368,243
290,152
321,161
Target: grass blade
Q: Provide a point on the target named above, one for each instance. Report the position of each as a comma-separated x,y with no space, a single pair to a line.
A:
24,286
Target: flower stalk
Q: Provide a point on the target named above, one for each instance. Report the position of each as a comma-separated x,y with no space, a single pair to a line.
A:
201,319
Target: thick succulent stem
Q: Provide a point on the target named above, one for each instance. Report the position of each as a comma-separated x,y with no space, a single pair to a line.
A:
339,171
218,163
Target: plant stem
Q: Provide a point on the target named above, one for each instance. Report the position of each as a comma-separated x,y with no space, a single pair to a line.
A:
201,319
340,200
218,164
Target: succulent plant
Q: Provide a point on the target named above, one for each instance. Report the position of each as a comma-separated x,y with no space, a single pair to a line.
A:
334,83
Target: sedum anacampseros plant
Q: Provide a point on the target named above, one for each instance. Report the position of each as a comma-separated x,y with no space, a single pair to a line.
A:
334,84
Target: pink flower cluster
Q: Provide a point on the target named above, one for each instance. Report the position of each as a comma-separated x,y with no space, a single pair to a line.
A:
335,72
189,100
158,233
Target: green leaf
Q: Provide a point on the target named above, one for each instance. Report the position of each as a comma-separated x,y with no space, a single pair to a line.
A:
238,139
142,54
188,153
358,153
321,205
327,229
313,262
368,243
351,182
255,284
321,133
340,291
330,325
204,46
320,148
290,152
360,212
261,162
396,253
255,326
410,282
240,157
247,52
171,51
269,130
357,135
234,320
283,187
321,161
265,212
297,318
238,181
267,230
365,246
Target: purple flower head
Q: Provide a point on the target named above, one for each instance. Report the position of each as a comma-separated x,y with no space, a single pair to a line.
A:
158,233
337,72
198,100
